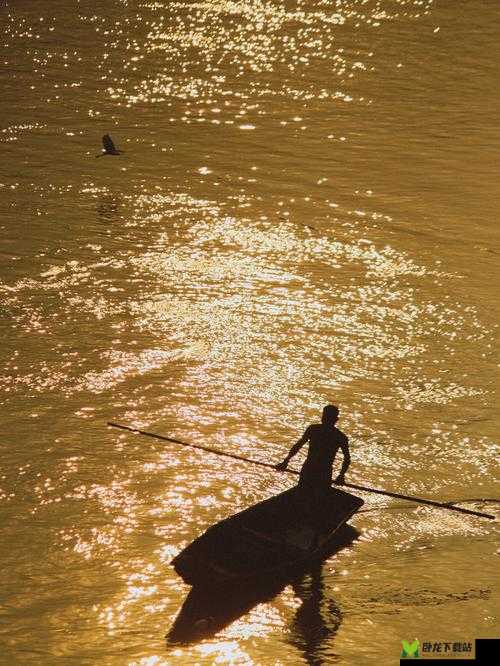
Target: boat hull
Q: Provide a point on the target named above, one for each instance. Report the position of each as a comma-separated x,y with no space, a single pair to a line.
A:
279,532
210,608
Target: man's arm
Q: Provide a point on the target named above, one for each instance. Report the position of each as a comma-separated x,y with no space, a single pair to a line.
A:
340,480
295,449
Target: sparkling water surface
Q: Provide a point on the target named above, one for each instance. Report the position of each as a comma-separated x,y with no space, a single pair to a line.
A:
305,212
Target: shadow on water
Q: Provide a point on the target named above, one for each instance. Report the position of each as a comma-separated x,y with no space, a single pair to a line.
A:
317,619
108,208
208,610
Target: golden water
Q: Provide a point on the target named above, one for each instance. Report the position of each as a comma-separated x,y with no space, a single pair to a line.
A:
306,212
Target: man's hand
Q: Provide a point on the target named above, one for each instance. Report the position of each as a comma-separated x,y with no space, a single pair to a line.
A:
281,466
340,480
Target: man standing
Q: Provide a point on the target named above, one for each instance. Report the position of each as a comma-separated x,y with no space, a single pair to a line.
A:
324,442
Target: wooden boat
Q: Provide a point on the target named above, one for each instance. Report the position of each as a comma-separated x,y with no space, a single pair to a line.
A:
279,532
209,609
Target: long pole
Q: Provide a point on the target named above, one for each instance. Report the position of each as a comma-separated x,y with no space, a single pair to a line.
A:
234,456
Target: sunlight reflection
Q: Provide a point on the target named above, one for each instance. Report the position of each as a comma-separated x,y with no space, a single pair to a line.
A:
263,619
224,652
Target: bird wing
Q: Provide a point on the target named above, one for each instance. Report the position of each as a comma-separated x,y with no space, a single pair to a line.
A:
108,144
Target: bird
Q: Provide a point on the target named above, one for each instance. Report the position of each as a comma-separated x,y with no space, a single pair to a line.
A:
109,147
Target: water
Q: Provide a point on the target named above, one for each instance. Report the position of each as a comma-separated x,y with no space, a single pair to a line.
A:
306,212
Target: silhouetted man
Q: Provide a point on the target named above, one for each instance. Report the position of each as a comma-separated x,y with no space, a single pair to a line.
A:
324,442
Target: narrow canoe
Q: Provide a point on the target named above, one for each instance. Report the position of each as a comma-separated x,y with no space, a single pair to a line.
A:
279,532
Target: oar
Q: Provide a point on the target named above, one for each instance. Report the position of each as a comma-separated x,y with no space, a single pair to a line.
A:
411,498
420,500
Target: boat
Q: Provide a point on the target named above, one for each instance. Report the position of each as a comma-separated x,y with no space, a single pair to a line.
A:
266,538
209,609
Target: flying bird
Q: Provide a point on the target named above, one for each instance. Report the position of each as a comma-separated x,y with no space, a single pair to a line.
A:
109,147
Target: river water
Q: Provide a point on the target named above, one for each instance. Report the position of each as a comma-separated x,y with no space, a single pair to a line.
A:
306,212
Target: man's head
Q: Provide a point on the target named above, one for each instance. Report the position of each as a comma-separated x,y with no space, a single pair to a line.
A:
330,414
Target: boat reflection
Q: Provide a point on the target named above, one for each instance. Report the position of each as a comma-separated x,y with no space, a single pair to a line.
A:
208,610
